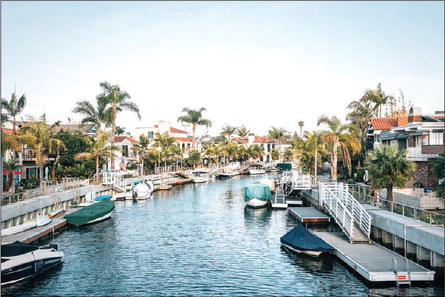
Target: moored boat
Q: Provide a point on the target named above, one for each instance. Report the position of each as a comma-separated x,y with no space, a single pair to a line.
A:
93,213
142,190
257,195
200,176
256,169
56,212
300,240
19,228
42,220
21,261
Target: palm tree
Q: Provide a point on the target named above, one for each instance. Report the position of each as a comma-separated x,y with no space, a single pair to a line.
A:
360,116
211,152
314,145
13,107
194,158
388,167
164,142
338,138
301,124
243,132
116,100
378,98
277,135
97,148
142,148
228,130
255,151
43,142
194,117
98,115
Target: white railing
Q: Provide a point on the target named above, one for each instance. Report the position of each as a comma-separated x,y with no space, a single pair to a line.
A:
342,215
114,178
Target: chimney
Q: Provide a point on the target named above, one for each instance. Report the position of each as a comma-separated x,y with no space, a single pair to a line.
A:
402,121
164,126
414,115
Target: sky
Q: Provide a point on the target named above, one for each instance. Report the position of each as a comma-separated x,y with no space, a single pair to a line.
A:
258,64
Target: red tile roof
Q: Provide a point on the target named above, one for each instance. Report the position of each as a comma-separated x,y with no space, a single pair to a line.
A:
385,123
183,139
7,131
172,130
121,138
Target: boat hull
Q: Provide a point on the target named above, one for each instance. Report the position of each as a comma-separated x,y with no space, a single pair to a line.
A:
28,265
96,212
256,203
257,171
314,254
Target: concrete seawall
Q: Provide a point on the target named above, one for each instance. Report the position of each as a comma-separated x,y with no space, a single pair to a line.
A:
17,213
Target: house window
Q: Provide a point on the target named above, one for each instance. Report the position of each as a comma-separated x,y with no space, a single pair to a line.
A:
125,151
150,134
32,172
412,141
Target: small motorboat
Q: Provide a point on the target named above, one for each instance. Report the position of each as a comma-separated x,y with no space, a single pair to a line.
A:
103,197
256,169
19,228
56,212
21,261
92,213
43,220
200,177
257,195
142,190
300,240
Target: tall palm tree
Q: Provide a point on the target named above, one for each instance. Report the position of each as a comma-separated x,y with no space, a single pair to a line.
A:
255,151
97,148
338,138
242,131
142,148
211,152
228,131
314,145
195,118
388,167
13,107
98,115
360,115
277,135
43,141
301,124
379,99
116,101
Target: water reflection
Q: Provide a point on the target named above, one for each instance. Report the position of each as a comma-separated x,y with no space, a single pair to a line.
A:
323,263
257,216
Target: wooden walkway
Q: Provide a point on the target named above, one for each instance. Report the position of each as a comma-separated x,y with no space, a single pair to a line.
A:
375,262
309,215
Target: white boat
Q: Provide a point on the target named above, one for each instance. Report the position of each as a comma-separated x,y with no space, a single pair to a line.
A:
269,182
21,261
19,228
142,190
257,195
42,220
256,169
56,212
200,176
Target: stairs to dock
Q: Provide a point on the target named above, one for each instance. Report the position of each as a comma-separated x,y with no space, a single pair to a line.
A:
349,214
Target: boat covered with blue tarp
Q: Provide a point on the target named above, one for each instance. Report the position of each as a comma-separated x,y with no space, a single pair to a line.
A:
301,240
257,195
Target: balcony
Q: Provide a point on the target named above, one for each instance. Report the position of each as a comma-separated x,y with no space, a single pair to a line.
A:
432,149
424,152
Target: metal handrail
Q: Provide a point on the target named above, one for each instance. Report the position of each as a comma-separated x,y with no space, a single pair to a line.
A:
336,207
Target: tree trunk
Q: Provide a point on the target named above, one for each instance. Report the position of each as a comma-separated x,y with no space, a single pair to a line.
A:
142,170
194,131
113,131
390,196
97,166
315,167
334,162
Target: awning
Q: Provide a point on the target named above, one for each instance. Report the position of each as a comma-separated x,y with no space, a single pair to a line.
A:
7,171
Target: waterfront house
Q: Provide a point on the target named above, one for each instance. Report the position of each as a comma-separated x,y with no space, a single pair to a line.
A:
422,136
263,142
125,156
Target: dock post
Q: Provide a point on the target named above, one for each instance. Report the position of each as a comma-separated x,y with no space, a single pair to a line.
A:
436,260
387,239
423,255
398,244
377,234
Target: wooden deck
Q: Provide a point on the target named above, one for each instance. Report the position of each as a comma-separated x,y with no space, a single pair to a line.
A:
375,262
309,215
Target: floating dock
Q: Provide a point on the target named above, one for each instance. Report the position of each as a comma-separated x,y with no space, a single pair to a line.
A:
374,262
309,215
35,233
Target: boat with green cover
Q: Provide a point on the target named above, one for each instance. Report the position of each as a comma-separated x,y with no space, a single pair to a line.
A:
92,213
257,195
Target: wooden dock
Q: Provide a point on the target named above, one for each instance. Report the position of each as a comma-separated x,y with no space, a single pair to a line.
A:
374,262
309,215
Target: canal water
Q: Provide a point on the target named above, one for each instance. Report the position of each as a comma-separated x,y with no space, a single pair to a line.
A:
195,240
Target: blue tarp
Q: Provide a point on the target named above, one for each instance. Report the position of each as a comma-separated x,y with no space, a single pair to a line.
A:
102,197
301,239
258,191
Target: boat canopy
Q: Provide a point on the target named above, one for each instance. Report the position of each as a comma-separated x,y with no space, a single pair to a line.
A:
284,166
302,239
258,191
17,248
90,212
102,197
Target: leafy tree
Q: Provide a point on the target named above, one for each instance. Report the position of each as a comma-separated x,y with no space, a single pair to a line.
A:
439,173
243,132
194,158
275,154
97,148
378,98
255,151
43,141
211,152
338,138
120,130
388,167
277,135
288,154
195,118
164,142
